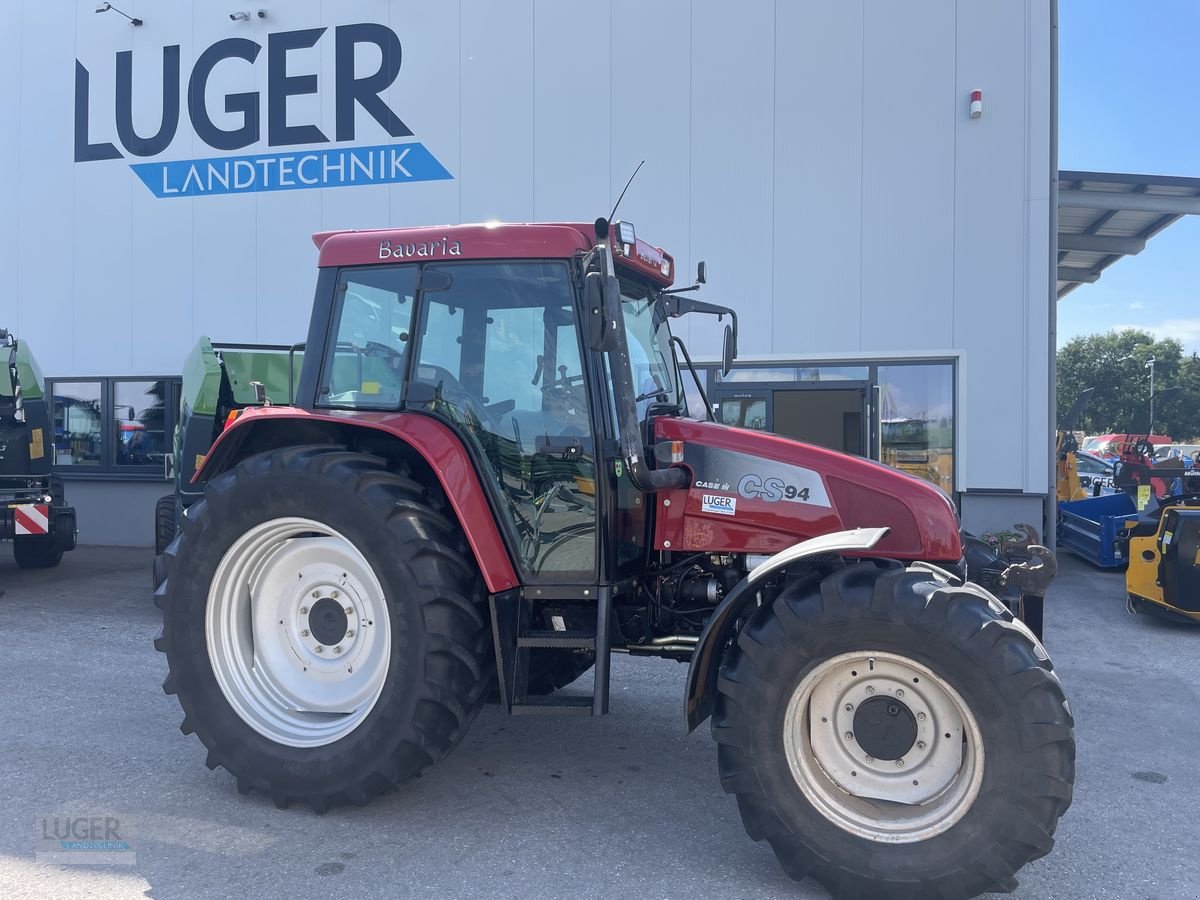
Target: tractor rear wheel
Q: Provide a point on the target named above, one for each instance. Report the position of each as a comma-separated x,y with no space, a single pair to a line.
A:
323,626
894,735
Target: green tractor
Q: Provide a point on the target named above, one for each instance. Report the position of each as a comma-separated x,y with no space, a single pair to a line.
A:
219,381
33,510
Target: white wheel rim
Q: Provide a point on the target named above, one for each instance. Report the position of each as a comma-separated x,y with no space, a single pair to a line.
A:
275,611
924,791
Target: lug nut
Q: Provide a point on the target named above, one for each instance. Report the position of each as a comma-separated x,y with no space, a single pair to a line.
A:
849,735
870,759
900,692
349,610
337,649
334,595
319,648
870,690
349,632
304,610
849,707
304,633
900,764
920,717
316,594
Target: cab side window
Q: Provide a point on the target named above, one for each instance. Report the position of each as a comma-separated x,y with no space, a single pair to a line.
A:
364,366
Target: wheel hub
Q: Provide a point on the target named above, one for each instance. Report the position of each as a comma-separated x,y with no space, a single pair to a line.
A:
885,728
327,621
883,746
298,632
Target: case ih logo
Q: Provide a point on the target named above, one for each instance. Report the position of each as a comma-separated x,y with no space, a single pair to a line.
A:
277,171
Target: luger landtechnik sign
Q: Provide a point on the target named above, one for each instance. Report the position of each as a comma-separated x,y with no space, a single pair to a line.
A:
280,170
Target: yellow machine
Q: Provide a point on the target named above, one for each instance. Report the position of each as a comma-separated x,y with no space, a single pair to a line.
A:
1164,560
1065,448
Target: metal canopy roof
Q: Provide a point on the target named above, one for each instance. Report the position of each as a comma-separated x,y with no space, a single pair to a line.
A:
1103,216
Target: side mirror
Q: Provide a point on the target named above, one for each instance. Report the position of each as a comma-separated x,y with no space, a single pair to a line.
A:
728,351
602,310
701,273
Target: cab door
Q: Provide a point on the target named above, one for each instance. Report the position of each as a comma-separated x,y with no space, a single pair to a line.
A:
500,355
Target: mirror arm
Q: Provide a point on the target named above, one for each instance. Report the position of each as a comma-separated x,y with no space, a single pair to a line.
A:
687,358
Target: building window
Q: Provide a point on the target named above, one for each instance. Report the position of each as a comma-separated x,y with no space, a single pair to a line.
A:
110,427
917,420
139,424
911,427
78,424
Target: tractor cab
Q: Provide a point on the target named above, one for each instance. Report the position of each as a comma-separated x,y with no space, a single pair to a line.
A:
504,351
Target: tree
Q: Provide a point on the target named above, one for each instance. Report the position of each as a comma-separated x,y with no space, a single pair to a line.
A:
1114,364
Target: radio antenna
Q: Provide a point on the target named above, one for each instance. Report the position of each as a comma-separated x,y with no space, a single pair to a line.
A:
624,189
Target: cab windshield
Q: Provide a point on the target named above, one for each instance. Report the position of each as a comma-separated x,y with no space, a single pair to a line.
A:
651,358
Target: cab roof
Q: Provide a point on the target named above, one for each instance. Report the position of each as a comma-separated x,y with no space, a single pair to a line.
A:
495,240
482,241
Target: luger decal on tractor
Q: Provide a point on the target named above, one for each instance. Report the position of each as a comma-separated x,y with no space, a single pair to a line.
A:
491,481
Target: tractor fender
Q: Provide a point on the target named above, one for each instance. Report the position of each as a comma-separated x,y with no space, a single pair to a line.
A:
700,692
442,450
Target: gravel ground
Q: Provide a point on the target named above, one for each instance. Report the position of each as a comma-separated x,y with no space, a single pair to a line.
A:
613,807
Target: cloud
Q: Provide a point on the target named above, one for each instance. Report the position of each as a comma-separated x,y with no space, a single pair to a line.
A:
1186,331
1137,304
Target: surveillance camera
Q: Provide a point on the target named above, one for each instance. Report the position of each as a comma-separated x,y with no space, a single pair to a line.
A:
103,7
262,13
239,16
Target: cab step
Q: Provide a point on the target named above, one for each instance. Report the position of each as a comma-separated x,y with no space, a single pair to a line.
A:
553,705
514,640
577,640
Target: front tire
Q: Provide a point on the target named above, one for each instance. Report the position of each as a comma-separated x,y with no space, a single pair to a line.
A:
322,626
894,735
552,668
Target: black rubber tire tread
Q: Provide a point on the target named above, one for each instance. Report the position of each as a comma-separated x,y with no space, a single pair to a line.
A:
994,663
551,668
164,532
36,551
434,688
164,522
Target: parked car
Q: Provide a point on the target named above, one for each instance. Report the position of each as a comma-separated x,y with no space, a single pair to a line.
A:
1093,469
1108,446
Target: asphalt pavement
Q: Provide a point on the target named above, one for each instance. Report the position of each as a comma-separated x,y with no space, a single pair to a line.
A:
620,806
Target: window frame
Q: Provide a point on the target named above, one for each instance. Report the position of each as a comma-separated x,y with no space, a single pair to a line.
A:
108,469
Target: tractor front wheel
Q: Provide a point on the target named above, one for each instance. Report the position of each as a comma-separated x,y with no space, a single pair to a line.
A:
323,626
891,734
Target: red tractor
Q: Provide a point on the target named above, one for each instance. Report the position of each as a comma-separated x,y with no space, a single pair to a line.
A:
492,480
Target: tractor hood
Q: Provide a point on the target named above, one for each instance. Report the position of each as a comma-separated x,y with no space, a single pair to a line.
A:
755,492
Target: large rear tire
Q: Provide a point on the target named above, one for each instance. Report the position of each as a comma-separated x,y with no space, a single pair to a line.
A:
893,735
322,625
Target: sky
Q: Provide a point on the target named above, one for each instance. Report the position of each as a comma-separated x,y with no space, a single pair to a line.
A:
1129,101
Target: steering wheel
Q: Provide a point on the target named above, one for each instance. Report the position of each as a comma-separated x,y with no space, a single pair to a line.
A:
448,391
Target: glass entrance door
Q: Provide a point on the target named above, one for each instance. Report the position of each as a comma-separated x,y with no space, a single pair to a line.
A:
834,416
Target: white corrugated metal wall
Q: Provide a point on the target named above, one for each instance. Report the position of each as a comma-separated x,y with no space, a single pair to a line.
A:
819,155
